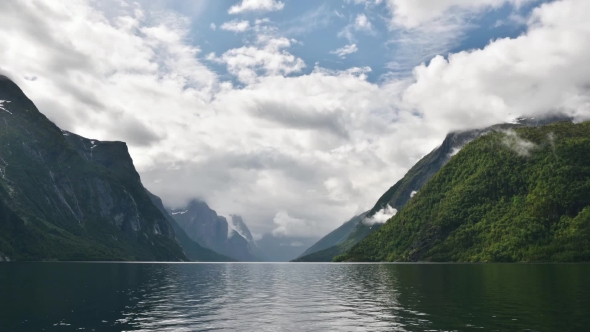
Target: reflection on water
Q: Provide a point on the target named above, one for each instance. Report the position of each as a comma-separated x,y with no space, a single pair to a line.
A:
293,297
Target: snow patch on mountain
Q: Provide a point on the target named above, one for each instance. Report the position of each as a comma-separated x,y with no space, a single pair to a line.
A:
2,106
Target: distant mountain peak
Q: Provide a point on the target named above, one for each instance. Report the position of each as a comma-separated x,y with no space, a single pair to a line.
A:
203,225
240,227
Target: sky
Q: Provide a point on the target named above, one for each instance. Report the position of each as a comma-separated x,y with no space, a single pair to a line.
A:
295,114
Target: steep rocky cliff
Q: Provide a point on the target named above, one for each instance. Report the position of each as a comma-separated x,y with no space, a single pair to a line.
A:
193,250
203,225
64,197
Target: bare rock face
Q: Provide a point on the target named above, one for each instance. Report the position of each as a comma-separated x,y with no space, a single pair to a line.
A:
66,197
204,226
193,250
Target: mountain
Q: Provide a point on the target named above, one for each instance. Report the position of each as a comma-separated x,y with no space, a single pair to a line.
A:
238,225
64,197
337,236
204,226
193,250
358,233
115,157
516,196
283,248
401,192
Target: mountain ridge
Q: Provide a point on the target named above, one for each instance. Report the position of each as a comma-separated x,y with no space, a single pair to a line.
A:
515,196
56,204
193,250
204,226
418,175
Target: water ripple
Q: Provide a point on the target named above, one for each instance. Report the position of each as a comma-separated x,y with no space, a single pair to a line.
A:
294,297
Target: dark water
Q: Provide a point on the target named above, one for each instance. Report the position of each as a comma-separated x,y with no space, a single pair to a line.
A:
293,297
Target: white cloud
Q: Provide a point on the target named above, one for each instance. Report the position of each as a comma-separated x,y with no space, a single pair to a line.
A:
287,225
236,26
262,21
256,5
381,216
268,56
413,13
362,23
543,70
344,51
213,26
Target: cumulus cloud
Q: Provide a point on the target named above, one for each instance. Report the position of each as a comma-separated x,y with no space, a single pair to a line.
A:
381,216
283,149
268,56
345,50
256,5
543,70
236,26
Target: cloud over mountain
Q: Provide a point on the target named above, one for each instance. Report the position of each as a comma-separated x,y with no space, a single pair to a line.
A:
260,129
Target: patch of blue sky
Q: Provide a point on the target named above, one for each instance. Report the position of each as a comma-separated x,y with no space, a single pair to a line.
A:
504,22
318,27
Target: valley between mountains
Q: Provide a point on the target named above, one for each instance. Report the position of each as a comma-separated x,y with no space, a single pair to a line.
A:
513,192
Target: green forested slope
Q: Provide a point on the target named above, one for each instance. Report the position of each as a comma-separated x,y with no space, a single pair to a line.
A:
522,196
400,193
324,249
327,255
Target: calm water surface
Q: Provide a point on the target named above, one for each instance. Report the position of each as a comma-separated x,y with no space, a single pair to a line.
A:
293,297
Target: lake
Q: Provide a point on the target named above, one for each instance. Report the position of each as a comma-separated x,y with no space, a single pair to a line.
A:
294,297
